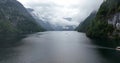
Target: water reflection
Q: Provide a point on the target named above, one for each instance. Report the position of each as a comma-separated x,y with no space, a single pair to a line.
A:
55,47
10,40
7,44
106,43
112,56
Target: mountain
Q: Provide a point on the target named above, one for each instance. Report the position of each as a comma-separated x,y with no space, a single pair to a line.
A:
106,24
47,23
41,21
14,18
85,24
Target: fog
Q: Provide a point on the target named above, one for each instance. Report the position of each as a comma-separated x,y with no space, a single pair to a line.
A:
62,14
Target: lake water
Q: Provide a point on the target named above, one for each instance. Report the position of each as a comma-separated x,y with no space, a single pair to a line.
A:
54,47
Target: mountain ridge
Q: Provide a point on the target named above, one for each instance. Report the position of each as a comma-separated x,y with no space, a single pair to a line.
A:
100,26
83,26
14,18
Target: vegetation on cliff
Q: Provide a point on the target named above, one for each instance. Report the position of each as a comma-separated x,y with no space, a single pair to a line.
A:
83,27
100,28
14,18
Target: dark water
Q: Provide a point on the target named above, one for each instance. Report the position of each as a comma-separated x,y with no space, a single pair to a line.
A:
55,47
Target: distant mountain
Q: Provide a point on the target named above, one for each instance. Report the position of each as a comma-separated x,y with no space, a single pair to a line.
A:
45,24
14,18
106,24
86,23
68,28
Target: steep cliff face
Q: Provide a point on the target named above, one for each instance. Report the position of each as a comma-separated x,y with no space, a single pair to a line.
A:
15,18
107,21
86,23
115,21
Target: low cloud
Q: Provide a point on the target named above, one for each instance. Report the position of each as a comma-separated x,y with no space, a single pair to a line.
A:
54,11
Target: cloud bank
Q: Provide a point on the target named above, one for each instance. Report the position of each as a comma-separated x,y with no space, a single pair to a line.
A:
55,11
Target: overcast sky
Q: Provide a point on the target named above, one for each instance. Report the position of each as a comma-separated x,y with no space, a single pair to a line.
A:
54,11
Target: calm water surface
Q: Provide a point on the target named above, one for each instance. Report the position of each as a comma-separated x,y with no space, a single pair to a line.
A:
55,47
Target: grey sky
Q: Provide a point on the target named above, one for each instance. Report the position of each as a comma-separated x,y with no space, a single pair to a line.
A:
54,11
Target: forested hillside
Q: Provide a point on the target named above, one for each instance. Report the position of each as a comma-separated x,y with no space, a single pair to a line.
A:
106,23
14,18
85,24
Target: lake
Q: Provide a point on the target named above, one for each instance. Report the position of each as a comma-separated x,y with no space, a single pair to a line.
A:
54,47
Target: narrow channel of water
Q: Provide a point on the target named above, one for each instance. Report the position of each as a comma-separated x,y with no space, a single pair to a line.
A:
56,47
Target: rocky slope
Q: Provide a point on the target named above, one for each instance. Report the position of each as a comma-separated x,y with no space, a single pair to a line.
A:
107,21
14,18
